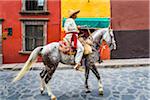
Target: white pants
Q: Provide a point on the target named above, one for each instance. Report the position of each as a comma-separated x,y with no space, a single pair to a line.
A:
80,48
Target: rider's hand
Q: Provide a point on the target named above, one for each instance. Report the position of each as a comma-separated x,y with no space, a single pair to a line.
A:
79,27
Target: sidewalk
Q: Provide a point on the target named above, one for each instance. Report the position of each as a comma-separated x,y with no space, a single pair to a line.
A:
114,63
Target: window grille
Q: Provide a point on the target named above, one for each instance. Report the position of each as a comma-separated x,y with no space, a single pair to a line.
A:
34,34
34,5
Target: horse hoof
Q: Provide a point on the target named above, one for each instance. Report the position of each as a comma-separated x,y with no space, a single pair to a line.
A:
53,98
100,89
42,92
101,93
87,91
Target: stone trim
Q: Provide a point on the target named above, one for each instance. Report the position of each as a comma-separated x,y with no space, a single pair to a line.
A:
25,52
1,55
34,19
35,12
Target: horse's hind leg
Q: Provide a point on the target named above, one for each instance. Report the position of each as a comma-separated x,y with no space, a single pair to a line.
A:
42,76
96,73
51,65
50,71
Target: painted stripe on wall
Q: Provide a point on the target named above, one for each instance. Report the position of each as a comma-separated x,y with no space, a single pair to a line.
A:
91,22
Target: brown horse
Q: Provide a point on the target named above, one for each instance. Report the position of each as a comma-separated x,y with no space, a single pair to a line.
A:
51,56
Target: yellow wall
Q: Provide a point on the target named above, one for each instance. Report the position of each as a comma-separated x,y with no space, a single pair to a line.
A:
93,8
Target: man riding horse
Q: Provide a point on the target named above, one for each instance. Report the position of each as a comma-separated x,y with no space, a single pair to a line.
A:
72,31
52,56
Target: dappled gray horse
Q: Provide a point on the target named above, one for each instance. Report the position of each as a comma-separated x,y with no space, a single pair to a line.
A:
51,56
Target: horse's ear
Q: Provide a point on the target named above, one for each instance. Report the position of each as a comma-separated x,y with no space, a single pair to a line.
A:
110,29
111,32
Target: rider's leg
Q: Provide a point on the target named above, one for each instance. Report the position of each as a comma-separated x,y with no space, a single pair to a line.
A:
79,54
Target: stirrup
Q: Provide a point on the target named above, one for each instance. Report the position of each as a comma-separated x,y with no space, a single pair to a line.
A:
79,68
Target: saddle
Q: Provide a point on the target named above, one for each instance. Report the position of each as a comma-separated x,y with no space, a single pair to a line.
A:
67,48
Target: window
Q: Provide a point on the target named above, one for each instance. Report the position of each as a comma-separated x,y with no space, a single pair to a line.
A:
34,6
34,34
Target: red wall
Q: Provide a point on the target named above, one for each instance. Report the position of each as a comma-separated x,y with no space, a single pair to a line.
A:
130,14
130,22
9,11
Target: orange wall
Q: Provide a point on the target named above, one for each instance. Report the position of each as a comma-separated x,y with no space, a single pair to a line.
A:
9,11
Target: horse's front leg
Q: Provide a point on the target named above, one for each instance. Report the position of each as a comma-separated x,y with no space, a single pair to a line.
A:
96,73
87,90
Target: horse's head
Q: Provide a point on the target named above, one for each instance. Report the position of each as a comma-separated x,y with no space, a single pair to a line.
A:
108,36
104,34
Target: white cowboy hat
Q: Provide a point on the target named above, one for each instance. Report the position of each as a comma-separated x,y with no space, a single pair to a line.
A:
72,12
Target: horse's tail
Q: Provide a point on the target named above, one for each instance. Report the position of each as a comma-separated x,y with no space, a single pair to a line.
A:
32,58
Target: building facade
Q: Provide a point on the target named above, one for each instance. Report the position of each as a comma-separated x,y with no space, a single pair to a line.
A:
26,25
130,21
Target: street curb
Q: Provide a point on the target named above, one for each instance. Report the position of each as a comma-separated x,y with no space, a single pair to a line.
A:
67,68
119,63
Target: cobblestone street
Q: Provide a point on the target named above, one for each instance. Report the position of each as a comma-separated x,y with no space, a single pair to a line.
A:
119,84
